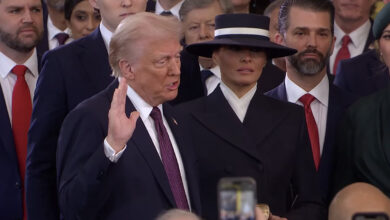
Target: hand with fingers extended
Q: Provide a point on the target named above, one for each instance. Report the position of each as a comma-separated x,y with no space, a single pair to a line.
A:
120,127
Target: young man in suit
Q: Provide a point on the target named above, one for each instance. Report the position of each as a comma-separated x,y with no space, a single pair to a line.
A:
307,25
237,131
21,28
111,165
69,75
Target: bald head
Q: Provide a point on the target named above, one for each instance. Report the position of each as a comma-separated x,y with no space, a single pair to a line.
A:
358,197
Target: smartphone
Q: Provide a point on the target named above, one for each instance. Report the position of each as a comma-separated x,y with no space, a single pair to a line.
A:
370,216
237,198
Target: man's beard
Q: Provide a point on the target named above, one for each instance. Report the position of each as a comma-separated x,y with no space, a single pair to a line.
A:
16,43
309,66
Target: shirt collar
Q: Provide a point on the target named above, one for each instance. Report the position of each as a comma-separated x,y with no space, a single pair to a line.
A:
233,99
7,64
53,30
106,35
358,36
320,92
140,105
174,10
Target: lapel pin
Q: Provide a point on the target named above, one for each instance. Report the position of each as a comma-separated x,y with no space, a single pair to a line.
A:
174,121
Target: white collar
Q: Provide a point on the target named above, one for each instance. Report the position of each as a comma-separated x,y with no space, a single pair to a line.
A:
174,10
320,92
7,64
53,30
139,103
358,36
106,35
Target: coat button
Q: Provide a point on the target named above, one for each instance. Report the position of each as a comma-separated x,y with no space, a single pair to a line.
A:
18,185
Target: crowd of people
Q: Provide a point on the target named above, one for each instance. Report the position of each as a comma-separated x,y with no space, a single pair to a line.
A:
136,109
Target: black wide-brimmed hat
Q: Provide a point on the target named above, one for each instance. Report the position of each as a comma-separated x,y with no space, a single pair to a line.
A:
247,30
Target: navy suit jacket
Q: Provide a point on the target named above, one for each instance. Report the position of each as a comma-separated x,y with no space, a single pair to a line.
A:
339,101
11,186
69,75
363,74
271,146
136,187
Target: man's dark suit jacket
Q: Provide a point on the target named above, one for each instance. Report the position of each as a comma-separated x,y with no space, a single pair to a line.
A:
191,86
136,187
339,101
271,146
11,186
363,74
69,75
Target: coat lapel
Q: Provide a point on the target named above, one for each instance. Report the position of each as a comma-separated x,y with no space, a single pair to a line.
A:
220,119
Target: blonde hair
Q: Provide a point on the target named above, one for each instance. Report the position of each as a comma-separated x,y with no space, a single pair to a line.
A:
143,26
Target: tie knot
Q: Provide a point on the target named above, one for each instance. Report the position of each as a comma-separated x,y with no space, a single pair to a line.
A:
61,37
345,40
166,13
19,70
205,74
156,114
307,99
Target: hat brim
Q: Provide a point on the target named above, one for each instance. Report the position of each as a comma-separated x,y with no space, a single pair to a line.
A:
272,50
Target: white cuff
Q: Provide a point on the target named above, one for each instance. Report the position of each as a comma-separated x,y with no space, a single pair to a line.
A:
110,153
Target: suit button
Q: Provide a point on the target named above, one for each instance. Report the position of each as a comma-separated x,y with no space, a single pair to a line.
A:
18,185
260,167
100,175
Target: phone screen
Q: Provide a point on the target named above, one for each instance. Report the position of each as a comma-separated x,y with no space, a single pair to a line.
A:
237,199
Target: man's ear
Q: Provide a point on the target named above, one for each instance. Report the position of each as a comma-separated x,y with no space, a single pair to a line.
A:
279,38
127,70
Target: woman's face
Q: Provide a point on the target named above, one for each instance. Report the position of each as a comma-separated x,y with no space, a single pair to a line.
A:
83,20
384,45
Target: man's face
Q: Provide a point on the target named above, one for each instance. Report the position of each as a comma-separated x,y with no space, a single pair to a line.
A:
199,24
273,24
352,10
21,24
156,70
309,32
241,67
114,11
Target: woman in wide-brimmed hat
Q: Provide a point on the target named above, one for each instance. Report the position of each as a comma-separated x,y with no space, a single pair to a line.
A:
237,131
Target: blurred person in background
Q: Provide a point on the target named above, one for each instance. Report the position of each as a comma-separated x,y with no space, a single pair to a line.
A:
81,18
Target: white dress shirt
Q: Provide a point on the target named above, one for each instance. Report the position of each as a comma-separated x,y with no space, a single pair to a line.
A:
319,106
144,110
358,41
8,79
213,81
52,31
174,10
239,105
106,35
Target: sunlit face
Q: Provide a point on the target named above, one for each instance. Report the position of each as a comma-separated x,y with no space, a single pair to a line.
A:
156,71
309,32
273,24
199,24
114,11
241,67
352,10
384,45
21,25
83,20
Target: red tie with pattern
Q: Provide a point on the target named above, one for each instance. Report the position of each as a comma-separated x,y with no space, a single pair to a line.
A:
21,115
169,161
343,52
312,128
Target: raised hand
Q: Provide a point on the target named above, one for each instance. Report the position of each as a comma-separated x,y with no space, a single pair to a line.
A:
120,127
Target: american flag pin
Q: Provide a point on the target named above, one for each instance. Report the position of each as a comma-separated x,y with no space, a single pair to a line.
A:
174,121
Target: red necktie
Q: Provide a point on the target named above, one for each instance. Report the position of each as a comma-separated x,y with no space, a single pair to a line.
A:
306,100
21,115
343,52
169,161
